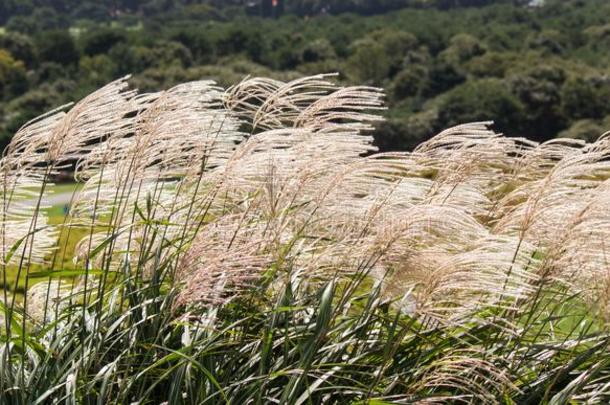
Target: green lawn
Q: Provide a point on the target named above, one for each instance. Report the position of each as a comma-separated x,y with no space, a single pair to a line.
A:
56,213
66,187
66,243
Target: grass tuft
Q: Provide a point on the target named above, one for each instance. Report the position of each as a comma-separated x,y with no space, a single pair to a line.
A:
249,245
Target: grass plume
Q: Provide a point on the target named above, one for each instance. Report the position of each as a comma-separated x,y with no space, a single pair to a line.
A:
250,245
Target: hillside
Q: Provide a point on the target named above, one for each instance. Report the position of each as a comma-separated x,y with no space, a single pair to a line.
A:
538,72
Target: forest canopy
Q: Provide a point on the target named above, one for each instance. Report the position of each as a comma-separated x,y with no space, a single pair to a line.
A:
538,69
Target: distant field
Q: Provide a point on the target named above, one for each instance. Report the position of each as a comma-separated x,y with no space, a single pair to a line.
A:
66,187
67,239
59,200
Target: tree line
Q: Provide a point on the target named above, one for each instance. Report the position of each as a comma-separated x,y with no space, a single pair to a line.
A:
539,72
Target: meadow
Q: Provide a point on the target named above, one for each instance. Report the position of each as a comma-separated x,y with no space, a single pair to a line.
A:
250,245
56,212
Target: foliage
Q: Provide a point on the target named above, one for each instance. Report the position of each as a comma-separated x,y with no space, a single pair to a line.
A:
553,59
57,47
480,100
12,75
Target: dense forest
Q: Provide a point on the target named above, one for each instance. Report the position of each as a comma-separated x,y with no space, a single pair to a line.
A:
538,68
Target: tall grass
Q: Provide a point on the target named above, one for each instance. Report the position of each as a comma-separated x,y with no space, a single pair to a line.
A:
249,246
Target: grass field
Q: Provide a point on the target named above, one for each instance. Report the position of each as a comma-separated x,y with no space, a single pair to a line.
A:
67,240
57,212
65,187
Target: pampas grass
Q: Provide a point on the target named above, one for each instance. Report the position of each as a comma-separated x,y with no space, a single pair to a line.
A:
250,245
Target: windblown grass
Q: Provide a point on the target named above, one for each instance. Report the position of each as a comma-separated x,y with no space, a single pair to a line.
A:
66,241
249,246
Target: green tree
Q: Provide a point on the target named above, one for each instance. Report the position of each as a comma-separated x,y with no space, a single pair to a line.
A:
548,41
539,90
136,59
396,45
13,80
22,24
197,41
442,77
35,102
586,97
91,11
101,40
598,37
317,50
48,72
369,62
587,130
41,19
95,71
480,100
462,48
131,59
242,40
57,46
491,64
20,46
409,82
10,8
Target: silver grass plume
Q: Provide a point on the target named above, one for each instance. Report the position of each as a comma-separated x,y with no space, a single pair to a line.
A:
274,175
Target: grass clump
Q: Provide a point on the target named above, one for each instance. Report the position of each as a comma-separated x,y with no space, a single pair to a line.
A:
248,245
